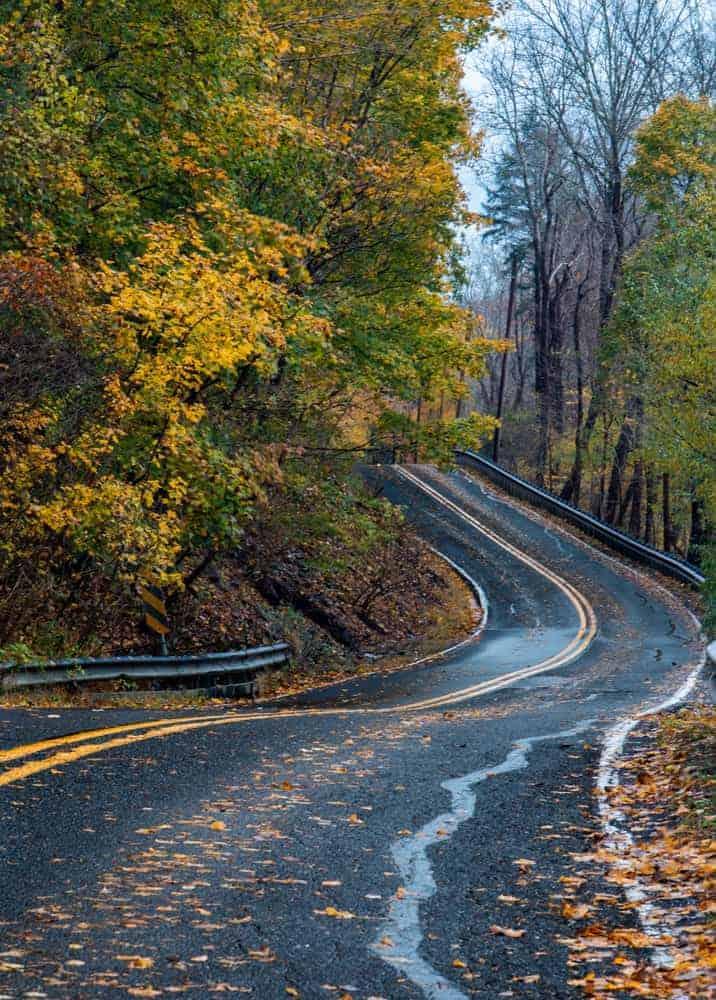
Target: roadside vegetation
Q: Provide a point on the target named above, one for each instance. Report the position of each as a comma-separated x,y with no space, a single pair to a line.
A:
227,267
601,195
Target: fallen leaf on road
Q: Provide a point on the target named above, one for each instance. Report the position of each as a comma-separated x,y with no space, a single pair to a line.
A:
524,863
507,931
331,911
136,961
262,954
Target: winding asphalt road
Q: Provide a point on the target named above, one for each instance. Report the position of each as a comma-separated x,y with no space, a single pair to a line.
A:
353,842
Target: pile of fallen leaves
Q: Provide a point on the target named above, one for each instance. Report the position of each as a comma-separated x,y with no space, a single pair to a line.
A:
661,854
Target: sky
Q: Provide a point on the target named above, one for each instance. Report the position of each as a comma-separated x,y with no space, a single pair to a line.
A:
470,177
474,84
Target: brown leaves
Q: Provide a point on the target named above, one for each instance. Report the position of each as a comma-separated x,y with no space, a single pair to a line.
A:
507,931
659,800
262,954
136,961
575,911
524,864
331,911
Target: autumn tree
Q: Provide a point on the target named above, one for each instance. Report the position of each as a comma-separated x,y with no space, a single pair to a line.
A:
662,339
227,237
568,89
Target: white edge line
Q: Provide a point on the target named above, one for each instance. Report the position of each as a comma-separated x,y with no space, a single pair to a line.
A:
618,836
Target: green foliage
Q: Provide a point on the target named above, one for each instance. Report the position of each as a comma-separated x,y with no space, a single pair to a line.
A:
225,237
663,337
435,440
708,565
17,653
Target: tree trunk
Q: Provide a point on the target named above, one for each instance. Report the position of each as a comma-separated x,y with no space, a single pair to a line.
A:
519,367
593,413
666,512
281,591
573,487
543,439
624,505
699,532
628,438
636,501
651,500
418,415
598,501
503,368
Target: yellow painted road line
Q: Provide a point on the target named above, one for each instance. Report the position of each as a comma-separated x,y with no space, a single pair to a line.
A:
90,749
581,604
28,749
138,732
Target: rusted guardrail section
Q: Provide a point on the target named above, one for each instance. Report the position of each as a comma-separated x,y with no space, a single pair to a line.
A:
238,669
618,540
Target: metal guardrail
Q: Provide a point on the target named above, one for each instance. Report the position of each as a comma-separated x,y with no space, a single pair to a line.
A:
516,486
239,668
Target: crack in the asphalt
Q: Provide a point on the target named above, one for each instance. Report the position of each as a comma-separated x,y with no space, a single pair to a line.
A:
400,935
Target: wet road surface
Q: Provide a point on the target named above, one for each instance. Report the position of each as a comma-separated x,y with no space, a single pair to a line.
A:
354,841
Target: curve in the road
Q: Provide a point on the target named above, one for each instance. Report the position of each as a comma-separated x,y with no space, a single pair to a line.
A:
82,744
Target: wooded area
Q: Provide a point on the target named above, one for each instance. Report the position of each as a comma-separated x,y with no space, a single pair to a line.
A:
601,230
230,262
227,256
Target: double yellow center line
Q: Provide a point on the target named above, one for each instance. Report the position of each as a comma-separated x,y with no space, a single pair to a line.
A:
75,746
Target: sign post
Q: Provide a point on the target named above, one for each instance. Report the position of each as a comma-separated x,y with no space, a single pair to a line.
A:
155,611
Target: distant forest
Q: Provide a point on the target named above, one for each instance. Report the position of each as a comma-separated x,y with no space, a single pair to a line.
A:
597,262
